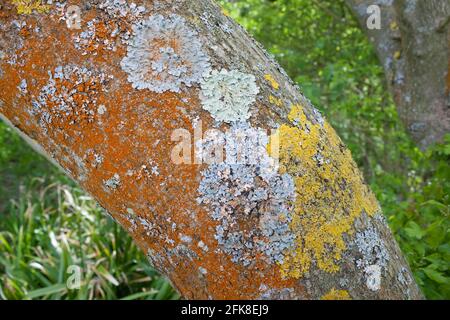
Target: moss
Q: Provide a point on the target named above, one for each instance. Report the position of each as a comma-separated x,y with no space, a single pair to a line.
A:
330,194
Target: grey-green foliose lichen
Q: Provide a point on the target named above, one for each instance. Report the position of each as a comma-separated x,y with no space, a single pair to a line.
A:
228,95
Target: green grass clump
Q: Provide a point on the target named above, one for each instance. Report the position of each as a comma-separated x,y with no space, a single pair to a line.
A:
51,227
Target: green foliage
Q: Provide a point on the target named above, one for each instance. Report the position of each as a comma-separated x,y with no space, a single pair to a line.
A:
421,220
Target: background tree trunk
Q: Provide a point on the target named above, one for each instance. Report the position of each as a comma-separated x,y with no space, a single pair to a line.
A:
104,101
413,47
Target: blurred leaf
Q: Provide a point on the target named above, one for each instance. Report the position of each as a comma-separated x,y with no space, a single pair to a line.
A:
46,291
413,230
435,275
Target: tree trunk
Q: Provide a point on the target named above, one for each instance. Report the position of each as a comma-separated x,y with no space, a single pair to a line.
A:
413,47
286,215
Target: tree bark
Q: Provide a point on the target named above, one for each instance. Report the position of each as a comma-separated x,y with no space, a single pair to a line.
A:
292,219
413,47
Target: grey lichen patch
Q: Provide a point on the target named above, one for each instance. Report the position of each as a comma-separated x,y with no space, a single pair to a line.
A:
23,86
372,248
249,192
98,35
2,56
143,224
121,9
373,277
228,95
158,261
58,104
149,227
163,54
203,246
276,294
375,256
101,109
93,158
112,183
318,116
149,170
404,277
11,43
184,238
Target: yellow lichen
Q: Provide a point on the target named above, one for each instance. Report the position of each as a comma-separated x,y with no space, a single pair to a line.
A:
334,294
330,193
393,25
28,6
272,81
276,101
225,12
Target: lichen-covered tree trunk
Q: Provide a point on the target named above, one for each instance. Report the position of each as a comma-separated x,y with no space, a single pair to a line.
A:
412,44
127,105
